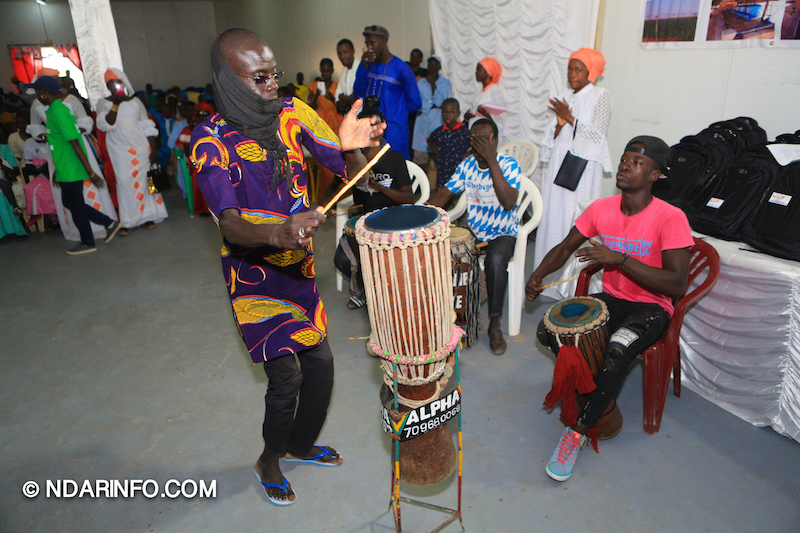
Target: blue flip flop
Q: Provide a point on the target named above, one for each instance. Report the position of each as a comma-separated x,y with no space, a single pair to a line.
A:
284,487
316,459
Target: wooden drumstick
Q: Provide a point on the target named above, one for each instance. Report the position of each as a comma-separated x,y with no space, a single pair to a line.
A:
353,181
556,283
345,209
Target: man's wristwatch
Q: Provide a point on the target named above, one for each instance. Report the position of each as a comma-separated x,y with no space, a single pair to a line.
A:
624,258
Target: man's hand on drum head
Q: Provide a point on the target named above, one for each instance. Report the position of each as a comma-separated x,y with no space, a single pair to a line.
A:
533,287
597,254
298,229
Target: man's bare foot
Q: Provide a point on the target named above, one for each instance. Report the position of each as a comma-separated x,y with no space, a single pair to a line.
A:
320,455
269,471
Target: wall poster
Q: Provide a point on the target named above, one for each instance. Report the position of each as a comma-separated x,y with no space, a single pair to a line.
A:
720,23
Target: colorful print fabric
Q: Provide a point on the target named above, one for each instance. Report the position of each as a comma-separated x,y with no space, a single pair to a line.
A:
273,291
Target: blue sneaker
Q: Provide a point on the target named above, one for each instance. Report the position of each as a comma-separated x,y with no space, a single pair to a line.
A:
563,460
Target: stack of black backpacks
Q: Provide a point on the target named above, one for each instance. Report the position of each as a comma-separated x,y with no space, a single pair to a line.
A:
730,186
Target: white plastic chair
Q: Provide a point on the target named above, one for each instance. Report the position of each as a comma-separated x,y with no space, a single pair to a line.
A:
528,199
525,152
419,184
458,209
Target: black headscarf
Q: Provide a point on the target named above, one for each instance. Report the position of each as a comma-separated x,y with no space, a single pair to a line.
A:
248,113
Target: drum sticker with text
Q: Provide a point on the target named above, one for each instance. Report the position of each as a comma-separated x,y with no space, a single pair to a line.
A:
624,336
423,419
462,278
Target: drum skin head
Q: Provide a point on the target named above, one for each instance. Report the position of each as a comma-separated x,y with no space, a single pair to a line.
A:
401,218
460,234
574,311
351,222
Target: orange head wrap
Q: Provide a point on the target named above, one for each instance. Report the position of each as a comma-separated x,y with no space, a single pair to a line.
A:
47,72
593,60
110,75
492,68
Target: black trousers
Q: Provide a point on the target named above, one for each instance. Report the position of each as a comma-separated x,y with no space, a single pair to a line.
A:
284,428
82,214
634,327
498,253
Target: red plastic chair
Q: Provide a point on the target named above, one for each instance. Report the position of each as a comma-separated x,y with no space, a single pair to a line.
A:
664,356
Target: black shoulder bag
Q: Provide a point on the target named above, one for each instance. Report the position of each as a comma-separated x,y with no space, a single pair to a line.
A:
571,168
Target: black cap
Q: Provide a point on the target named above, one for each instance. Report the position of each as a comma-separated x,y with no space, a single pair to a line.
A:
654,148
380,31
46,83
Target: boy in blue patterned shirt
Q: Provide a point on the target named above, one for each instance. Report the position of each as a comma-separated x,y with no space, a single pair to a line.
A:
449,142
491,182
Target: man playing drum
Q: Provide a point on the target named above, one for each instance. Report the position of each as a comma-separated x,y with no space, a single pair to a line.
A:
491,183
645,248
252,174
387,184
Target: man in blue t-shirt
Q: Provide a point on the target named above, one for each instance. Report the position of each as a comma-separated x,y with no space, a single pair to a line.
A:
491,182
386,76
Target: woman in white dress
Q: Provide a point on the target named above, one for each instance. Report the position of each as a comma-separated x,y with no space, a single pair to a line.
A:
490,103
579,126
130,141
100,199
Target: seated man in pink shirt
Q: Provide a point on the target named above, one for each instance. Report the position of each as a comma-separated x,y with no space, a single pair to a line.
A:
645,248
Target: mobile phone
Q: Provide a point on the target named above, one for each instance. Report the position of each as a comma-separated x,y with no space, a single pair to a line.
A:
119,88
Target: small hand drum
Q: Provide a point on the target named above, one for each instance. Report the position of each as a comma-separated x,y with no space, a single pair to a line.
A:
583,322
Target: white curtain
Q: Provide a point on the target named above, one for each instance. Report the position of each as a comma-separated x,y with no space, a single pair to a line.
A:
97,42
531,39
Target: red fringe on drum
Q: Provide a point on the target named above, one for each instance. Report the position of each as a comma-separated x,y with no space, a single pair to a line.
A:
571,374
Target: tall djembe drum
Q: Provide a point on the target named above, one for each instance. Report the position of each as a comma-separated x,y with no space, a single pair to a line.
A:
406,267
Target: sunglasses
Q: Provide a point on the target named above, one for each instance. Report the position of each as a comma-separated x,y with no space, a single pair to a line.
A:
263,80
370,28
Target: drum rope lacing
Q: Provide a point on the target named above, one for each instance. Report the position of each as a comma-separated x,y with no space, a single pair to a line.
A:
446,371
423,359
392,298
407,276
577,341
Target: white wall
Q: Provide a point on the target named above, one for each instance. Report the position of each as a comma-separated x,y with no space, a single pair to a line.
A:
163,43
304,31
674,93
21,23
166,43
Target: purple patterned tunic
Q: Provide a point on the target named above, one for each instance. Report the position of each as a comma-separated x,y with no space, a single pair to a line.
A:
273,291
